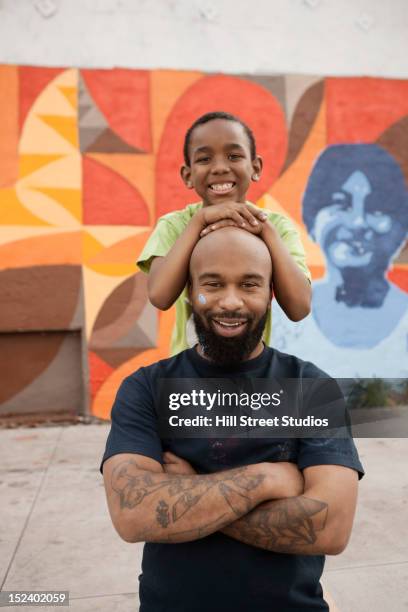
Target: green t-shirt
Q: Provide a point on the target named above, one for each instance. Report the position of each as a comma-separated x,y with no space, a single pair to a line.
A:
168,229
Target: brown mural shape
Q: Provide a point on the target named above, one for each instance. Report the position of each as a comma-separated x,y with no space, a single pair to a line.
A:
39,298
50,364
303,119
395,141
23,357
126,323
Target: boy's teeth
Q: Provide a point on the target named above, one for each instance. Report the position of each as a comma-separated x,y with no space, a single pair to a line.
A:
221,187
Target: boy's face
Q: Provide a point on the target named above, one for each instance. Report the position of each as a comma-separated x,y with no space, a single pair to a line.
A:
221,167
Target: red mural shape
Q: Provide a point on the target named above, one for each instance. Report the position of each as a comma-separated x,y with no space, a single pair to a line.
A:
99,371
32,81
249,101
109,199
359,110
123,97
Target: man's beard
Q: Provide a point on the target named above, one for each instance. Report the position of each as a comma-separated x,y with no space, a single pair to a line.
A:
228,351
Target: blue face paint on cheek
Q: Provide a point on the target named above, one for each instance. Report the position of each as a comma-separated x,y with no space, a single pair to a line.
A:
201,298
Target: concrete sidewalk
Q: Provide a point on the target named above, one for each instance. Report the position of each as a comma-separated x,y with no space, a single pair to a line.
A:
56,534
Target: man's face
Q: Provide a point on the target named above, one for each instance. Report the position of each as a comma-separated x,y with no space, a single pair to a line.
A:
353,230
220,162
230,298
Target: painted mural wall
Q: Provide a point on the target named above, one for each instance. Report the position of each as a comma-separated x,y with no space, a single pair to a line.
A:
89,159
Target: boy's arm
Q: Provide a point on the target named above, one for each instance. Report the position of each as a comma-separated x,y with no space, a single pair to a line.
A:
291,287
168,275
147,504
318,522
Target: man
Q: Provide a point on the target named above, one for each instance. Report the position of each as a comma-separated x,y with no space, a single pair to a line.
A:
230,525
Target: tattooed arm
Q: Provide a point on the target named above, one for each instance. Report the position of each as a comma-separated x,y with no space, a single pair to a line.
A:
317,522
146,504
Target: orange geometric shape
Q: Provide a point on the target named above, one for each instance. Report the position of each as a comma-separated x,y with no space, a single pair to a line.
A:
65,126
123,252
139,170
13,212
360,109
53,249
32,82
103,401
70,199
317,272
71,94
109,199
90,247
99,371
123,97
166,86
289,188
261,112
399,276
31,162
9,125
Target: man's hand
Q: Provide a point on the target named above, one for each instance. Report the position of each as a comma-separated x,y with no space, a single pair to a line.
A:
175,465
232,213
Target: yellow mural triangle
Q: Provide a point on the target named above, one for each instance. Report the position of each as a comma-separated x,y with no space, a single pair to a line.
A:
12,211
90,246
70,199
65,126
29,163
71,95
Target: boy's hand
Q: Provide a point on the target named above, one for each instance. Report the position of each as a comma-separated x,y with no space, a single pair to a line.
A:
176,465
234,214
231,213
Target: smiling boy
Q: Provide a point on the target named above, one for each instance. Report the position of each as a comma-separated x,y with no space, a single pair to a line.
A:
220,162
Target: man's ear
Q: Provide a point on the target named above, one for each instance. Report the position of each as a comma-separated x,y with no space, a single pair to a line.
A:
257,165
185,172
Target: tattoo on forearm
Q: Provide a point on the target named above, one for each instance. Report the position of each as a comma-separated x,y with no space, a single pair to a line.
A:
287,525
162,512
133,486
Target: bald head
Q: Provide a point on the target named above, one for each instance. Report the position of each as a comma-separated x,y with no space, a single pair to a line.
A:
231,250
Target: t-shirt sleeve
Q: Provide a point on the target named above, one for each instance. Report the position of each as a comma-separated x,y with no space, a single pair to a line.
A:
291,238
159,243
134,423
326,399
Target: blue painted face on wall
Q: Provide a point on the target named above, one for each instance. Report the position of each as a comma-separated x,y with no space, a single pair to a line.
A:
356,208
352,228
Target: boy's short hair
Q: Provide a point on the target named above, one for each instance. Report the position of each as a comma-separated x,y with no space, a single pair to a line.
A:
210,117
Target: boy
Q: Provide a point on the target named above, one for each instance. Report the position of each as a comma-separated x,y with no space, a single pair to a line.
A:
220,163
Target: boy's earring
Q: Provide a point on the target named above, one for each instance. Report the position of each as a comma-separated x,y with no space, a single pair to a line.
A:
255,177
189,184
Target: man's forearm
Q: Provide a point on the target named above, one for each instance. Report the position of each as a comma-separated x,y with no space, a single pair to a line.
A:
160,507
296,525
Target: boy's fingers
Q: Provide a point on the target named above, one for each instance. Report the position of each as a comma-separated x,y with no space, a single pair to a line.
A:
246,212
217,225
260,214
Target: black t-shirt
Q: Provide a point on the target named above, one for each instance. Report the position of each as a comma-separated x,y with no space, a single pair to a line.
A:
219,573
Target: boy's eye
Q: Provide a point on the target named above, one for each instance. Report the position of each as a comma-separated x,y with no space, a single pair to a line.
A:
202,159
212,284
235,156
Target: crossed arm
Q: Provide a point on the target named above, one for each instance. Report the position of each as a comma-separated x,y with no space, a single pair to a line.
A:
264,505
